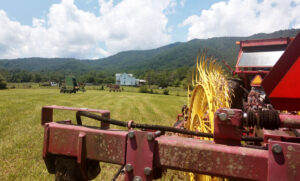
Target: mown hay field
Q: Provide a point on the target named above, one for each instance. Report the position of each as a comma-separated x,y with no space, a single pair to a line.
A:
21,133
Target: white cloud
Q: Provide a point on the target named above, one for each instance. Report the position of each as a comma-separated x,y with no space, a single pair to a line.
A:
182,2
105,6
243,18
70,32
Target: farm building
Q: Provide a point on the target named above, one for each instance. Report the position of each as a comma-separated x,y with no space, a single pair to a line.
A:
127,79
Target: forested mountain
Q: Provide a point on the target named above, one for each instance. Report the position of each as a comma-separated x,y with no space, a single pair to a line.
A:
168,57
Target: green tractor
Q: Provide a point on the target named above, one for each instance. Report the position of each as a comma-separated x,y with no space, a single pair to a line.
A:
70,85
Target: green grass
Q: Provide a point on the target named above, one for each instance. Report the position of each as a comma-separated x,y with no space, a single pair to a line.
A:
21,133
176,91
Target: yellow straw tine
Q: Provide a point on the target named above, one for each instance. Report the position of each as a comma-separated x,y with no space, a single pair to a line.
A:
210,92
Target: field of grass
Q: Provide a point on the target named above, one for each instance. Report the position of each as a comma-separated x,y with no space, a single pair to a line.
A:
177,91
21,133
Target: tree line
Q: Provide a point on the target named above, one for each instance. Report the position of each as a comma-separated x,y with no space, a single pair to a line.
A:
163,78
20,76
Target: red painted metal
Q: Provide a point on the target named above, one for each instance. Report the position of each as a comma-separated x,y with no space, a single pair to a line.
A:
238,60
282,134
228,66
204,157
227,131
289,121
145,150
282,84
259,45
250,72
173,152
284,165
139,155
179,123
47,113
81,156
265,42
101,145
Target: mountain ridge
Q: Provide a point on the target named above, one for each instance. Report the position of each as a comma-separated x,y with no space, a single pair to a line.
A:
171,56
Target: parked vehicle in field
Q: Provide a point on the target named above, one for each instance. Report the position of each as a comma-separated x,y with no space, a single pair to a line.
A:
70,85
114,88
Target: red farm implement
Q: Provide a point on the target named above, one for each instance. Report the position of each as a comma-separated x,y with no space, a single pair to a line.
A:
260,141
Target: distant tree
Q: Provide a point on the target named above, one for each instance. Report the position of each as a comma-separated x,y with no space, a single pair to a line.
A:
150,78
109,80
176,83
166,91
37,77
2,82
151,91
90,79
143,89
187,81
163,79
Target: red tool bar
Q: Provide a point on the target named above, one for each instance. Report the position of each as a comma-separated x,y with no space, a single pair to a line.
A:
174,152
101,145
213,159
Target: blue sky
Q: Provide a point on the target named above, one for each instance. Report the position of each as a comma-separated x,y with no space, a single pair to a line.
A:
99,28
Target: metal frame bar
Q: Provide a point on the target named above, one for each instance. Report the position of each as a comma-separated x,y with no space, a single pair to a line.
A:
47,113
148,153
173,152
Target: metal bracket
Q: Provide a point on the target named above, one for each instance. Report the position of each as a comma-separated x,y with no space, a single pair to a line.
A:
139,157
81,155
283,161
228,126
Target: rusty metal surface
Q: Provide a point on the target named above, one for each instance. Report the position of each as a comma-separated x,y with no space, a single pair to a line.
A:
173,152
145,153
284,162
101,145
207,158
140,150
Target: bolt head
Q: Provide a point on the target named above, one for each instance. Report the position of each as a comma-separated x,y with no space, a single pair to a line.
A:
150,137
131,134
245,116
222,116
128,167
157,133
147,171
276,149
137,178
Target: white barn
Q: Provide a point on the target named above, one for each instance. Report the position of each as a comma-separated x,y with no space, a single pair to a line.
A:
127,79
